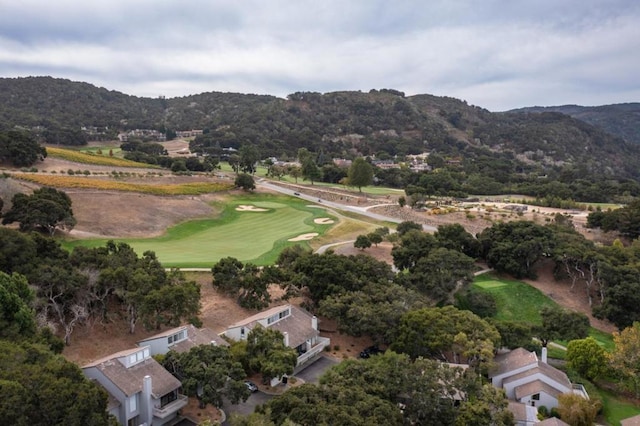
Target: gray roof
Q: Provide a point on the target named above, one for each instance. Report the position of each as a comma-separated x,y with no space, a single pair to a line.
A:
545,369
535,387
195,337
513,360
198,336
552,421
631,421
129,380
297,325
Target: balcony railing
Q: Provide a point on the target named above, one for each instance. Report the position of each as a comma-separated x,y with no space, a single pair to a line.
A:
171,407
322,342
580,390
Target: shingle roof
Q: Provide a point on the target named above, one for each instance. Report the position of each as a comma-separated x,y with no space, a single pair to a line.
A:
129,380
535,387
631,421
545,369
519,410
513,360
195,337
257,317
552,421
297,325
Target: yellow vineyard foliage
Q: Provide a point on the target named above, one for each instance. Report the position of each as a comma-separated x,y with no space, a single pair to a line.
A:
194,188
88,158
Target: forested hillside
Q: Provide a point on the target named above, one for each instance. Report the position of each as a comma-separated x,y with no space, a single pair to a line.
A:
619,119
383,122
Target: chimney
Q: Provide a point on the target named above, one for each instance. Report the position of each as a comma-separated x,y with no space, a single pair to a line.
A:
146,409
286,338
314,322
544,354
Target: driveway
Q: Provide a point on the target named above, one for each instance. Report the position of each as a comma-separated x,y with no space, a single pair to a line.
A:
311,374
245,408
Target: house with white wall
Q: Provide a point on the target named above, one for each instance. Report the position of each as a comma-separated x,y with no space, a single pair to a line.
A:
181,339
141,391
299,328
531,381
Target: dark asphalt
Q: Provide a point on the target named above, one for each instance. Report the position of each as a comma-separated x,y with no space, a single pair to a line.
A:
311,374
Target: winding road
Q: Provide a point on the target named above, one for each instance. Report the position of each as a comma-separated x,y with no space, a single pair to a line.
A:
355,209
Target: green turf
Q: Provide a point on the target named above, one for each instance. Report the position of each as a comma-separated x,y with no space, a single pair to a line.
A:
615,409
257,237
516,301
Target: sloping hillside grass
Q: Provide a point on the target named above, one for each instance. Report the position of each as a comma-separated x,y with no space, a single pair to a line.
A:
96,159
253,236
80,182
518,301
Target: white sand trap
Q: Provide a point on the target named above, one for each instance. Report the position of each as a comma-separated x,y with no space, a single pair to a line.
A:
248,208
304,237
323,221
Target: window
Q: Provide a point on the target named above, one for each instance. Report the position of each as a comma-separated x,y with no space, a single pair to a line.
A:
134,421
536,397
175,338
278,316
168,398
133,403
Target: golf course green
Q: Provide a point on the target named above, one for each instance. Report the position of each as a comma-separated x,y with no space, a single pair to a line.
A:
252,228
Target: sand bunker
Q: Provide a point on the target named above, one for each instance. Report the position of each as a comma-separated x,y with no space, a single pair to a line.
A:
304,237
248,208
323,221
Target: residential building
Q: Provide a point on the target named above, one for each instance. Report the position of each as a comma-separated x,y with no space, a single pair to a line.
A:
631,421
528,380
141,391
299,328
181,339
523,414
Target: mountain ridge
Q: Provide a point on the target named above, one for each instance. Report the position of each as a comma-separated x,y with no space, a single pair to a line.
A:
381,122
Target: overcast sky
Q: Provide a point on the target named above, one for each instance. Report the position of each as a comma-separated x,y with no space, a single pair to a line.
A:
497,54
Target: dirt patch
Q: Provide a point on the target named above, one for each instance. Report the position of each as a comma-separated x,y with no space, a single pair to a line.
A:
304,237
122,214
382,252
560,292
193,412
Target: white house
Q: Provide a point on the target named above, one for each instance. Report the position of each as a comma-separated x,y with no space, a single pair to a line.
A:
181,339
300,330
528,380
141,391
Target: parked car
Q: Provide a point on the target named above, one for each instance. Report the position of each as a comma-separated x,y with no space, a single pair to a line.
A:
251,386
370,350
296,193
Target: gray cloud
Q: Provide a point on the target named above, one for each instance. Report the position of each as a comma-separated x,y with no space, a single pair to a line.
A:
498,54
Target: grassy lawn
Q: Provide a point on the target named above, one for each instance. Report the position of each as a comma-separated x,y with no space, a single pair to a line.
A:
516,301
257,237
616,409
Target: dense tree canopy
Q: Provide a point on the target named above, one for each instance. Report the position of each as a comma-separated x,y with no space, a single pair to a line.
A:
20,149
47,209
360,173
515,247
209,373
434,332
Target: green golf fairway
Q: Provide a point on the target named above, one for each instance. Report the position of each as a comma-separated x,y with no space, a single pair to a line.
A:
255,236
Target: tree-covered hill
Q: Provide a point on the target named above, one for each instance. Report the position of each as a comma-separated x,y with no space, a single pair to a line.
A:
382,122
619,119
